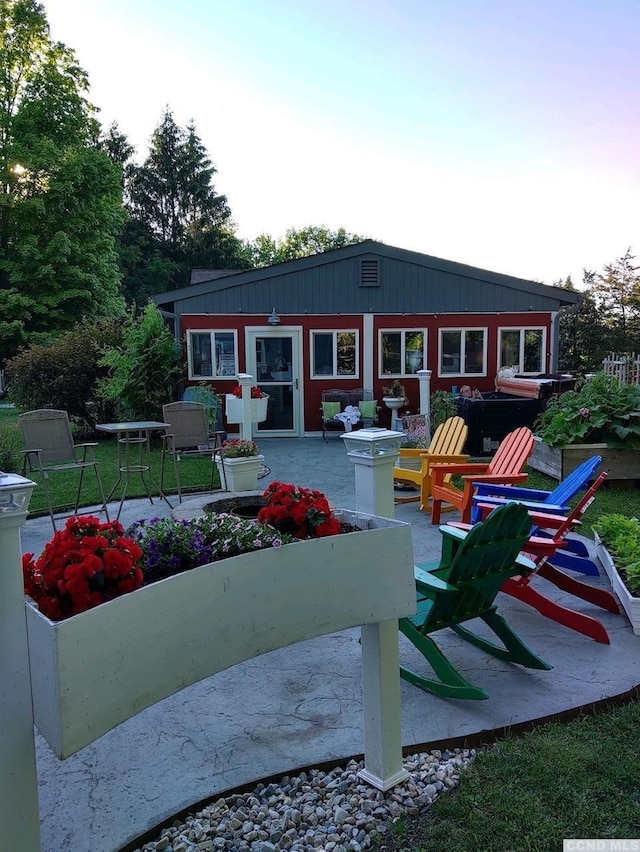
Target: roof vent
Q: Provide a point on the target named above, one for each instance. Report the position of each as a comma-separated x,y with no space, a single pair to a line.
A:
369,273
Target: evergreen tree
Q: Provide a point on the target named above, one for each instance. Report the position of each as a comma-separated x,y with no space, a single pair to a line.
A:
172,199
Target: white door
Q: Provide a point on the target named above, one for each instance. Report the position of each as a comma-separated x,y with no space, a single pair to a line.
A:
274,357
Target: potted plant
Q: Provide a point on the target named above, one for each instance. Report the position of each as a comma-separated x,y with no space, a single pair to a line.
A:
618,549
96,668
394,396
238,462
259,402
601,416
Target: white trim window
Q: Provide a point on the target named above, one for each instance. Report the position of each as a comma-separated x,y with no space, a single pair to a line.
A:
462,352
401,351
523,348
334,354
212,354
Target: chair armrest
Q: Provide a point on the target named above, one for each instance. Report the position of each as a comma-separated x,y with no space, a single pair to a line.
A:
544,520
494,477
424,579
86,444
437,458
549,508
512,492
455,530
461,469
33,450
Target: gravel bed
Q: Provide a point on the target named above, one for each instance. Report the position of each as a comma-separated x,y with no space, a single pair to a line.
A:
330,811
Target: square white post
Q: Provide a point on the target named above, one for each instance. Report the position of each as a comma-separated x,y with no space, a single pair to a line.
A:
19,815
246,427
374,452
424,377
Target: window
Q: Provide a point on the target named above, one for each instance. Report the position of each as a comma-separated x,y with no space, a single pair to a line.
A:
463,351
334,353
212,354
522,347
402,352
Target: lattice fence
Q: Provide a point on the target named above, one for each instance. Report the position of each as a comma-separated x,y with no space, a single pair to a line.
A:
625,367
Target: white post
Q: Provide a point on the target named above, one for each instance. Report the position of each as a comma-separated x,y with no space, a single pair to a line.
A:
424,377
246,428
374,452
19,816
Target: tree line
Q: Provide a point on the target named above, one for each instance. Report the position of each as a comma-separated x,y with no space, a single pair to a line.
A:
86,232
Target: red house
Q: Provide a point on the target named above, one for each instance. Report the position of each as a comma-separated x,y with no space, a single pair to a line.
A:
361,316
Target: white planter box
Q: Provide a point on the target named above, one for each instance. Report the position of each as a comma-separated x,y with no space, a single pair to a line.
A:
630,604
240,474
233,409
97,669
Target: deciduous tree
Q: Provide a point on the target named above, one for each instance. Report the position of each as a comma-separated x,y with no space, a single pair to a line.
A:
298,242
60,197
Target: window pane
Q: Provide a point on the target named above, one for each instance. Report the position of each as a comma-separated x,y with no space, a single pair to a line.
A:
450,352
346,353
474,352
225,353
201,355
413,351
533,351
391,342
509,349
323,354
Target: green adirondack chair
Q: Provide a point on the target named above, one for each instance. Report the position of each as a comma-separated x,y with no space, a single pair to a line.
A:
463,586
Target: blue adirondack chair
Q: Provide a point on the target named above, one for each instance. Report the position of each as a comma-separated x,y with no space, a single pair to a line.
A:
462,586
575,556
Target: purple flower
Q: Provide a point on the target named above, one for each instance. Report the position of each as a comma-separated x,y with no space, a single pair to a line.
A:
584,412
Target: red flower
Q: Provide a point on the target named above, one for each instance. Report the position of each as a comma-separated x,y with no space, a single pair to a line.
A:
85,564
256,393
302,512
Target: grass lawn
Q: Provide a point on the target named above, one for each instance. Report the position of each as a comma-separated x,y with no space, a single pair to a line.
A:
576,779
195,472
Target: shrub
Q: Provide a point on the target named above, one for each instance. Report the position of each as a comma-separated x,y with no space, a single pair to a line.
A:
9,456
599,410
143,370
65,374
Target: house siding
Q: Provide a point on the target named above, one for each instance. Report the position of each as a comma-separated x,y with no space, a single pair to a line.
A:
414,291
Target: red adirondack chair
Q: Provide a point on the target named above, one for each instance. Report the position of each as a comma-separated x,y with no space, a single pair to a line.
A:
505,467
551,531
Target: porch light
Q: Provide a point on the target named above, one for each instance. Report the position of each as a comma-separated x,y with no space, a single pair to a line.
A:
372,442
15,493
273,318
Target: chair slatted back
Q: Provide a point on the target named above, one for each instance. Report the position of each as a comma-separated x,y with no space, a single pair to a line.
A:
187,423
574,482
513,453
479,565
48,430
449,438
569,521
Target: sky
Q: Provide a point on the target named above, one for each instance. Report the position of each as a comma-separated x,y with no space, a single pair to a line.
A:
504,134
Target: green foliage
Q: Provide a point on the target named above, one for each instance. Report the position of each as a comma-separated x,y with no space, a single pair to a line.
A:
144,369
600,410
442,407
298,242
621,536
176,213
65,374
60,197
9,453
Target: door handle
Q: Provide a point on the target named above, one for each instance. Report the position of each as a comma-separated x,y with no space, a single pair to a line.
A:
296,384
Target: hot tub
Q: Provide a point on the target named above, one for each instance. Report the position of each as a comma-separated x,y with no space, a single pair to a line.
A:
491,418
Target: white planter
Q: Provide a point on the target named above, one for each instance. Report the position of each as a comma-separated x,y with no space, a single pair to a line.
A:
233,409
393,402
630,604
240,474
97,669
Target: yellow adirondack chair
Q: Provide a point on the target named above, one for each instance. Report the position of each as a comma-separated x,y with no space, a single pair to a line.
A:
446,446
